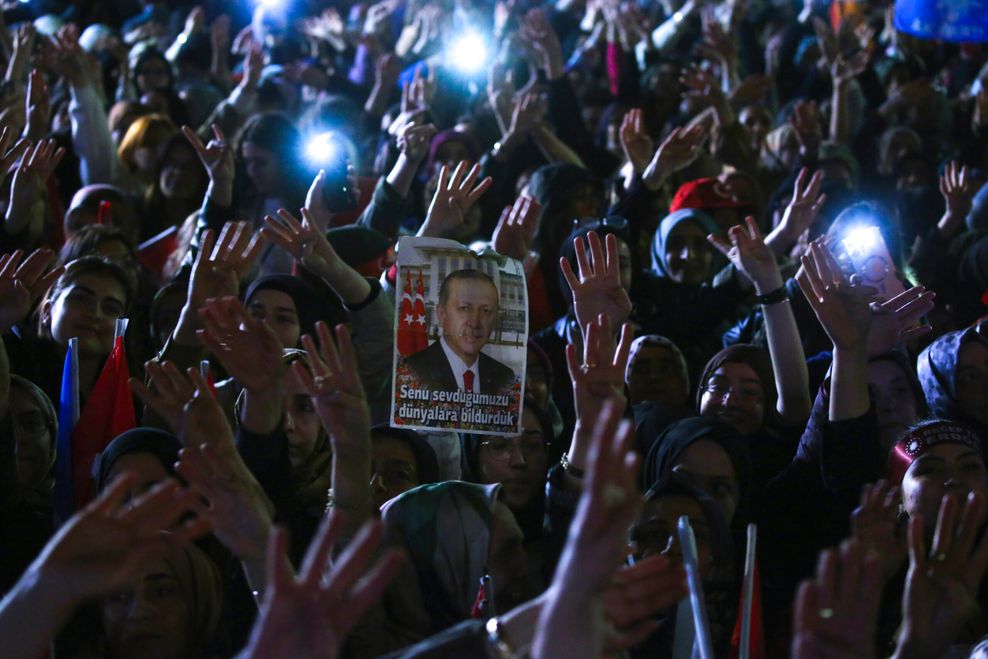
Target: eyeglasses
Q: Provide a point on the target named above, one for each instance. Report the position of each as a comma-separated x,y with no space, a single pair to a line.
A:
501,448
746,394
394,478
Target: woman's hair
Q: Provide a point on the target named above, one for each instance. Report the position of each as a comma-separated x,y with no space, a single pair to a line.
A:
86,242
146,56
88,265
125,111
149,130
276,133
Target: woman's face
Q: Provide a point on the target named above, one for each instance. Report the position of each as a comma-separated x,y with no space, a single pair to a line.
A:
262,169
151,618
277,310
971,380
536,380
153,74
942,469
506,560
757,123
88,309
655,532
708,467
450,154
302,425
687,254
655,374
394,468
895,402
519,463
33,443
181,176
735,394
145,467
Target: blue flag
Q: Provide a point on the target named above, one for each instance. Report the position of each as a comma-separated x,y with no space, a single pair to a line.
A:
68,415
947,20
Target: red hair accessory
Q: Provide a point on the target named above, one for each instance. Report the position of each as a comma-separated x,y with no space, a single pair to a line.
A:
918,440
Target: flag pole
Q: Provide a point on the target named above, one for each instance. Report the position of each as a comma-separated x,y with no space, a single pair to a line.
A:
687,542
748,591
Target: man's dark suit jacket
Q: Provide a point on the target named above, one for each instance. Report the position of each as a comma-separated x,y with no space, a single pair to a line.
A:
431,368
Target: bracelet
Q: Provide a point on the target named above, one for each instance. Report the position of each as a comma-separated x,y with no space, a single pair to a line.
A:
773,297
568,467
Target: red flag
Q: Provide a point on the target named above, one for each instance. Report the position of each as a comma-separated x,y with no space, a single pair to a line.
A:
108,412
406,341
757,642
421,329
154,253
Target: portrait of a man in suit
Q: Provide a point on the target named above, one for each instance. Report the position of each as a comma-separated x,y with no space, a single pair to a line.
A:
467,311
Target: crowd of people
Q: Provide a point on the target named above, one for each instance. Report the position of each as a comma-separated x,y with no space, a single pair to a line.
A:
755,239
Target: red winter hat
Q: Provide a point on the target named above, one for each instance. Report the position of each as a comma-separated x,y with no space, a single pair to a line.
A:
705,193
921,438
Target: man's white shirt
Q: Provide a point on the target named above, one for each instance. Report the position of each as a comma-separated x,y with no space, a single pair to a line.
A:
460,367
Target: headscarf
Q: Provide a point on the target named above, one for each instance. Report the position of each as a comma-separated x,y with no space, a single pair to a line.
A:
159,444
202,588
937,370
451,135
312,479
656,340
425,455
666,226
680,435
446,530
760,362
40,495
308,304
924,436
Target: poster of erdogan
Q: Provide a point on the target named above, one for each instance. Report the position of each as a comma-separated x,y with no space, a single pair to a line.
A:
461,327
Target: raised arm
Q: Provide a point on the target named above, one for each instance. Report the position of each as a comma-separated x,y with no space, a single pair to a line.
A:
333,382
751,256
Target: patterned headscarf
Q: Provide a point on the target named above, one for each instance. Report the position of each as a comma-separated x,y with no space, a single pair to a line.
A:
937,371
446,530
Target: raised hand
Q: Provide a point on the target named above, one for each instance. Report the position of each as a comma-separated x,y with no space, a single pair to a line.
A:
310,615
750,255
413,140
678,150
598,288
542,38
572,623
219,268
942,584
11,148
38,106
897,320
28,186
955,186
333,381
802,211
235,504
875,524
170,390
230,334
837,611
22,282
102,546
636,594
526,115
455,196
600,376
843,309
637,145
702,87
516,228
216,156
304,241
